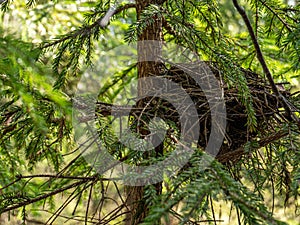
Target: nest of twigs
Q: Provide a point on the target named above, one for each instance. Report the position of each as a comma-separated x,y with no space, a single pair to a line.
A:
266,107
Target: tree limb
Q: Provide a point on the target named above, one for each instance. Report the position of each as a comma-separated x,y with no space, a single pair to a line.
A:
276,14
263,63
234,155
41,197
60,177
87,29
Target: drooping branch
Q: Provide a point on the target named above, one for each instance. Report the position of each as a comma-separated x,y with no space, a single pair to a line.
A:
263,63
91,178
287,26
86,30
236,154
41,197
82,180
19,177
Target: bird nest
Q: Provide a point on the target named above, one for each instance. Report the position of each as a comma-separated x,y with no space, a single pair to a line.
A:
265,105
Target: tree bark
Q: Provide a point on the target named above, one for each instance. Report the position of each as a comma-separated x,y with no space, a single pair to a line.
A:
149,64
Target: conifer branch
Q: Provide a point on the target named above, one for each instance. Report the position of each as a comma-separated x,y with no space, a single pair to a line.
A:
41,197
234,155
59,177
276,14
86,30
263,63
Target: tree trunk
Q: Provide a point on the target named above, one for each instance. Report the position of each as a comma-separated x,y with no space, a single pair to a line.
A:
149,63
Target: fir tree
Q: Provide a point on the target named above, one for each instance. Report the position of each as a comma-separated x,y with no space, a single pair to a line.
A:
252,52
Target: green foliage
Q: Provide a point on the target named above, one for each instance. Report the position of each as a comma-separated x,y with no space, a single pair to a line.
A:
32,113
41,166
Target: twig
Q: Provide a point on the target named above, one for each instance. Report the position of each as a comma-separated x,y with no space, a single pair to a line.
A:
232,155
263,63
78,219
59,176
32,221
278,17
6,186
87,29
41,197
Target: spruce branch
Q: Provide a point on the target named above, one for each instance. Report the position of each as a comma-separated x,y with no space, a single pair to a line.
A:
232,155
41,197
86,30
91,178
286,104
287,26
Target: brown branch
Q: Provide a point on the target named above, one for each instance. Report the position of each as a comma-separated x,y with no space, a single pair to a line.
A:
124,7
263,63
232,155
278,17
59,177
32,221
66,217
39,198
108,109
6,186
